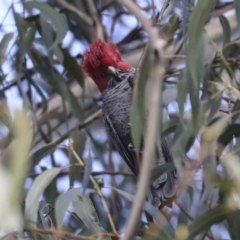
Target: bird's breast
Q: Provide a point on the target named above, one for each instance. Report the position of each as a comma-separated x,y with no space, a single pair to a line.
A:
116,106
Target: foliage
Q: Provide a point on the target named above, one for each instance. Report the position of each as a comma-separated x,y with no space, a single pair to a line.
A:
53,142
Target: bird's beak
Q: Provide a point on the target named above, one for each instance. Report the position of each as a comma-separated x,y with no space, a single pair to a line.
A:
112,71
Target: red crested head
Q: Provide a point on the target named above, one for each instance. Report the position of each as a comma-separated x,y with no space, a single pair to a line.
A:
98,58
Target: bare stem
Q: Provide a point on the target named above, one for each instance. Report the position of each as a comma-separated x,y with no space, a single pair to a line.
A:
157,72
148,152
61,233
164,7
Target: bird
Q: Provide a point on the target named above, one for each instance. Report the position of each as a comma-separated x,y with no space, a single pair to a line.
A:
104,64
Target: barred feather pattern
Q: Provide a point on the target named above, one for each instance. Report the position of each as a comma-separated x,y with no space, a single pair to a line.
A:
117,99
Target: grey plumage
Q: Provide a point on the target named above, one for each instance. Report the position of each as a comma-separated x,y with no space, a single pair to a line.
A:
117,99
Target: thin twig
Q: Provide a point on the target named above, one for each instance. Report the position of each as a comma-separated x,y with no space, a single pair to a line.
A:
90,119
184,210
164,7
112,173
96,188
157,72
149,140
61,233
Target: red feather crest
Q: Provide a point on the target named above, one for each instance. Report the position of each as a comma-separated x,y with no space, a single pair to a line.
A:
100,56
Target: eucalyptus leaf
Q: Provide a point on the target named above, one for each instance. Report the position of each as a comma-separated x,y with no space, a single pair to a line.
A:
237,10
231,131
42,152
50,75
182,91
214,130
233,220
169,127
72,66
57,20
171,27
28,38
63,202
148,207
196,54
85,210
137,116
34,193
4,45
42,213
169,95
206,220
226,29
48,36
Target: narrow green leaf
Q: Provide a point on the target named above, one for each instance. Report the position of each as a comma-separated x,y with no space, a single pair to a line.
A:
19,162
43,207
199,16
169,95
237,10
4,45
48,36
235,109
85,210
137,117
232,130
28,38
206,220
214,105
148,207
182,140
231,49
196,70
63,202
226,29
18,20
42,152
154,232
233,221
34,193
13,170
215,129
57,20
171,27
182,91
169,127
70,63
40,92
52,77
196,53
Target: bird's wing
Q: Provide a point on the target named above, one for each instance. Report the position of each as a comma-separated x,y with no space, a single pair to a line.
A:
122,144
